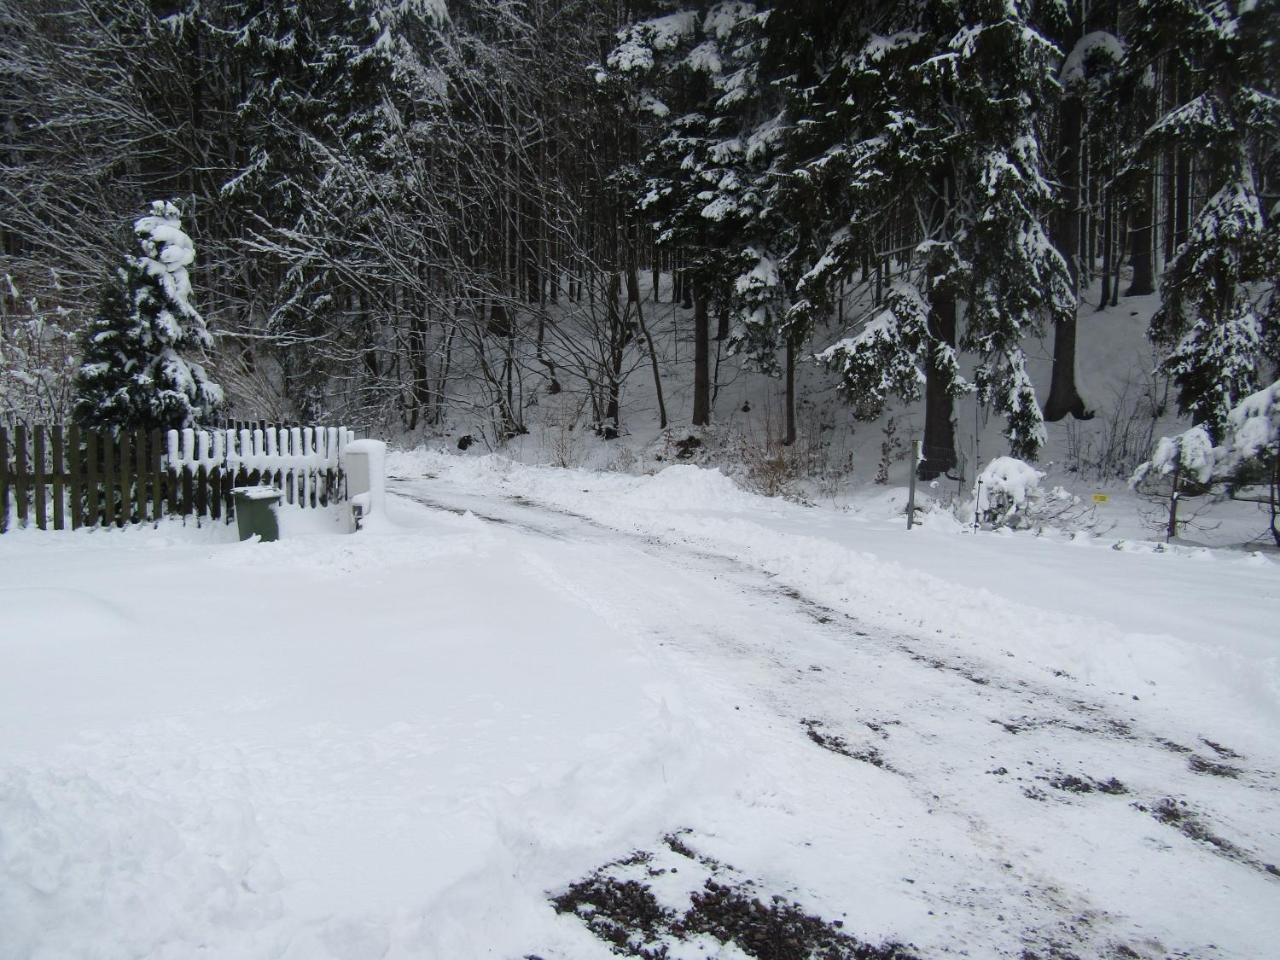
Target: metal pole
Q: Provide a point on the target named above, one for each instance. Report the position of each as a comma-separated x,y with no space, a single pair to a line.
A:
911,496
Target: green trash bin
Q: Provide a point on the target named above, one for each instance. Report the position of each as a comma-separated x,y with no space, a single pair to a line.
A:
256,512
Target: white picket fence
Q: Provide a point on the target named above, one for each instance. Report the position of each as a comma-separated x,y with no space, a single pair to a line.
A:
304,462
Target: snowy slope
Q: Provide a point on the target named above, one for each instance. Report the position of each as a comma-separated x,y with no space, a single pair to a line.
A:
836,458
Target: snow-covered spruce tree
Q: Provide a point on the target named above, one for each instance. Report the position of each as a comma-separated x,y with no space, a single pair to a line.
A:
939,135
883,171
798,45
695,69
140,369
1222,280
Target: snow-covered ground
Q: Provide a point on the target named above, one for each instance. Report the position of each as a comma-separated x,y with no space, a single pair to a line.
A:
408,742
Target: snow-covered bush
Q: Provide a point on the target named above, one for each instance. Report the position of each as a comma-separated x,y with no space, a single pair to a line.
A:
1187,456
1250,449
1252,432
1008,494
1006,487
1253,436
1253,426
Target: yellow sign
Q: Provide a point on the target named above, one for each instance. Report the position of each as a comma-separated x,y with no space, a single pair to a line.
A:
1100,498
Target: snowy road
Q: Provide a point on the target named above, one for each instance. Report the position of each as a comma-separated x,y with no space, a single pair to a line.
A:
406,743
1034,818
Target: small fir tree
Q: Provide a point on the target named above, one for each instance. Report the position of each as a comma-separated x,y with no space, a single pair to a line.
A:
137,373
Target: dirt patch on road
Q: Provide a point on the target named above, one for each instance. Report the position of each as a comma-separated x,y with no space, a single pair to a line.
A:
618,904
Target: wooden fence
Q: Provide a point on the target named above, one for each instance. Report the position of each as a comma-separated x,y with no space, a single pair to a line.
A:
55,477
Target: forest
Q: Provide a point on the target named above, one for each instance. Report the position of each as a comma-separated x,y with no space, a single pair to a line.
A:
406,214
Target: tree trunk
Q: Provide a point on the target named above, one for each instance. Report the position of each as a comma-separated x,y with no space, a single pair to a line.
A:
1108,243
656,270
790,437
1064,398
1168,161
633,294
722,323
701,359
939,429
617,343
1140,243
1182,183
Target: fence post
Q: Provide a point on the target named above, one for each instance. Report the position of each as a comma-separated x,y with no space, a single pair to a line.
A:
157,480
108,480
1172,530
126,479
4,479
140,468
38,476
201,489
91,482
188,491
20,472
59,479
75,476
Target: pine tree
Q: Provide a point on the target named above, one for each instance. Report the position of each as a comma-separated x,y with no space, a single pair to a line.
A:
139,371
938,136
1216,292
695,68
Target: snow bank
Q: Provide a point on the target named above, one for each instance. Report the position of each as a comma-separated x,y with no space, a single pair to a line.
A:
690,487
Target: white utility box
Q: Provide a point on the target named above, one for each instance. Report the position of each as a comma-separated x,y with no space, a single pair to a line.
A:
364,463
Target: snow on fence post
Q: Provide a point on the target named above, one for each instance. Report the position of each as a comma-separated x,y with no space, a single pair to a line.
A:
306,463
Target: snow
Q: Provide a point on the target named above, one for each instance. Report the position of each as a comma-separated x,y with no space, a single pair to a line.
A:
166,253
1096,43
257,493
274,449
1255,421
763,274
725,16
704,58
1191,451
637,44
399,744
1013,480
